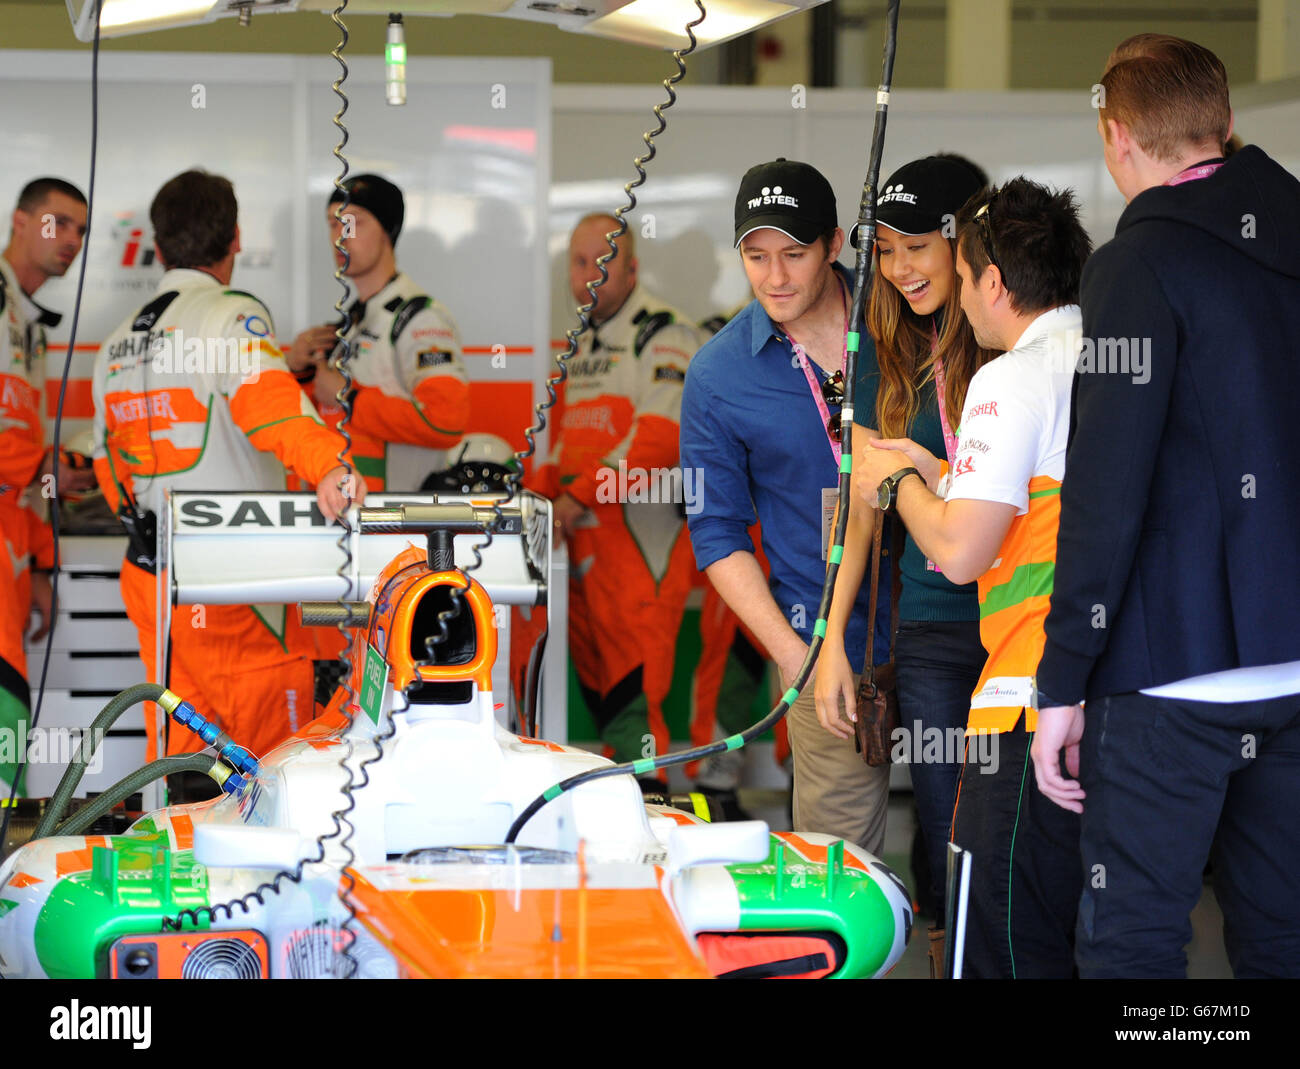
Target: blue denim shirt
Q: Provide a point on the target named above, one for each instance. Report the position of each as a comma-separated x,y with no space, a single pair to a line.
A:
752,430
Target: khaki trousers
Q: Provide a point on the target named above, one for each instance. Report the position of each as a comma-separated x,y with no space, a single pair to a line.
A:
835,792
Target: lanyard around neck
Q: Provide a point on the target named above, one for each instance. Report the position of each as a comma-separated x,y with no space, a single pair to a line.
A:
949,437
814,387
1191,174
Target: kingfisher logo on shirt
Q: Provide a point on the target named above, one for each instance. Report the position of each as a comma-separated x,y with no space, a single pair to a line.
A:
598,418
146,406
988,408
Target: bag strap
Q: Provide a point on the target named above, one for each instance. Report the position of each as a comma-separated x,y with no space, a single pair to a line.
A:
896,584
870,667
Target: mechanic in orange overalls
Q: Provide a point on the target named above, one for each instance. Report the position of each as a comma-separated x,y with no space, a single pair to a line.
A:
410,397
614,499
48,225
192,393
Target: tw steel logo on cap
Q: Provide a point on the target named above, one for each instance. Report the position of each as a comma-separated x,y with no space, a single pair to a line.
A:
773,195
896,193
788,196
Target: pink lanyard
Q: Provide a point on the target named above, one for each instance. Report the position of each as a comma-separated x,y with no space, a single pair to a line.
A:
949,439
1191,174
814,386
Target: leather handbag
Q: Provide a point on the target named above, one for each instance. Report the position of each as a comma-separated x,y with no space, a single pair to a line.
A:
877,698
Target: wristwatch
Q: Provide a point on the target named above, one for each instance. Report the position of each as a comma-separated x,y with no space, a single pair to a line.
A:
887,492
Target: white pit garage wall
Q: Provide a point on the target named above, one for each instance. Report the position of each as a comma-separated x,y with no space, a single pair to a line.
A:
716,133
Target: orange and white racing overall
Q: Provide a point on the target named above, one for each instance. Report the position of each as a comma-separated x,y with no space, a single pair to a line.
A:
23,529
193,393
630,566
412,396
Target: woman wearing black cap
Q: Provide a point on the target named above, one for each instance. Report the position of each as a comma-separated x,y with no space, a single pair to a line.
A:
927,355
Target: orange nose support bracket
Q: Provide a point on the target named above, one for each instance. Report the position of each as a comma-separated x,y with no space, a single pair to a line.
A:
475,600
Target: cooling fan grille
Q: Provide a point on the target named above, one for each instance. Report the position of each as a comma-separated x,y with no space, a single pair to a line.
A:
222,959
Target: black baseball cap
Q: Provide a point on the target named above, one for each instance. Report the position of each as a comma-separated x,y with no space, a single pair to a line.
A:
916,198
379,197
788,196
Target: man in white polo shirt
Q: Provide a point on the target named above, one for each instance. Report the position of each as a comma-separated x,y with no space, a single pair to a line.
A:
1021,252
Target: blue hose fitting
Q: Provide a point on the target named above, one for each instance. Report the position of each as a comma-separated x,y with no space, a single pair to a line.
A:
230,782
187,716
229,751
239,759
233,783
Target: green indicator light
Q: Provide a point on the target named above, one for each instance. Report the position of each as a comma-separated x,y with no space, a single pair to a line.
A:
395,53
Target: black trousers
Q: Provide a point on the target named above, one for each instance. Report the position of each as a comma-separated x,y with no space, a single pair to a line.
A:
1026,875
1170,783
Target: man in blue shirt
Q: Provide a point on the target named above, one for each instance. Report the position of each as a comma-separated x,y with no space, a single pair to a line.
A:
755,410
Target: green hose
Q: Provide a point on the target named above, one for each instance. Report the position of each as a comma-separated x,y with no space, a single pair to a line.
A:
165,766
108,716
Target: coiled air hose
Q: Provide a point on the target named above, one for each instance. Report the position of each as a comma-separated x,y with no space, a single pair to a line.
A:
165,766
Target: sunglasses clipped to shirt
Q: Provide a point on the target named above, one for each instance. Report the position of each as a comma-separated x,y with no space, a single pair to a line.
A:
833,394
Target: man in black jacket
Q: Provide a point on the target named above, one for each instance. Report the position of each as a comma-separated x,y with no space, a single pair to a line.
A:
1175,611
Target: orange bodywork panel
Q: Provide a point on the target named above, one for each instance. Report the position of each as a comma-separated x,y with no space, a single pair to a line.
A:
604,932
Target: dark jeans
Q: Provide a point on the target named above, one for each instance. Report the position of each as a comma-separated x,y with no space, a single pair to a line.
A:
939,663
1169,783
1025,870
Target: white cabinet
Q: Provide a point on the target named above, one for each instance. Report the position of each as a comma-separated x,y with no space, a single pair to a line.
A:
94,653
